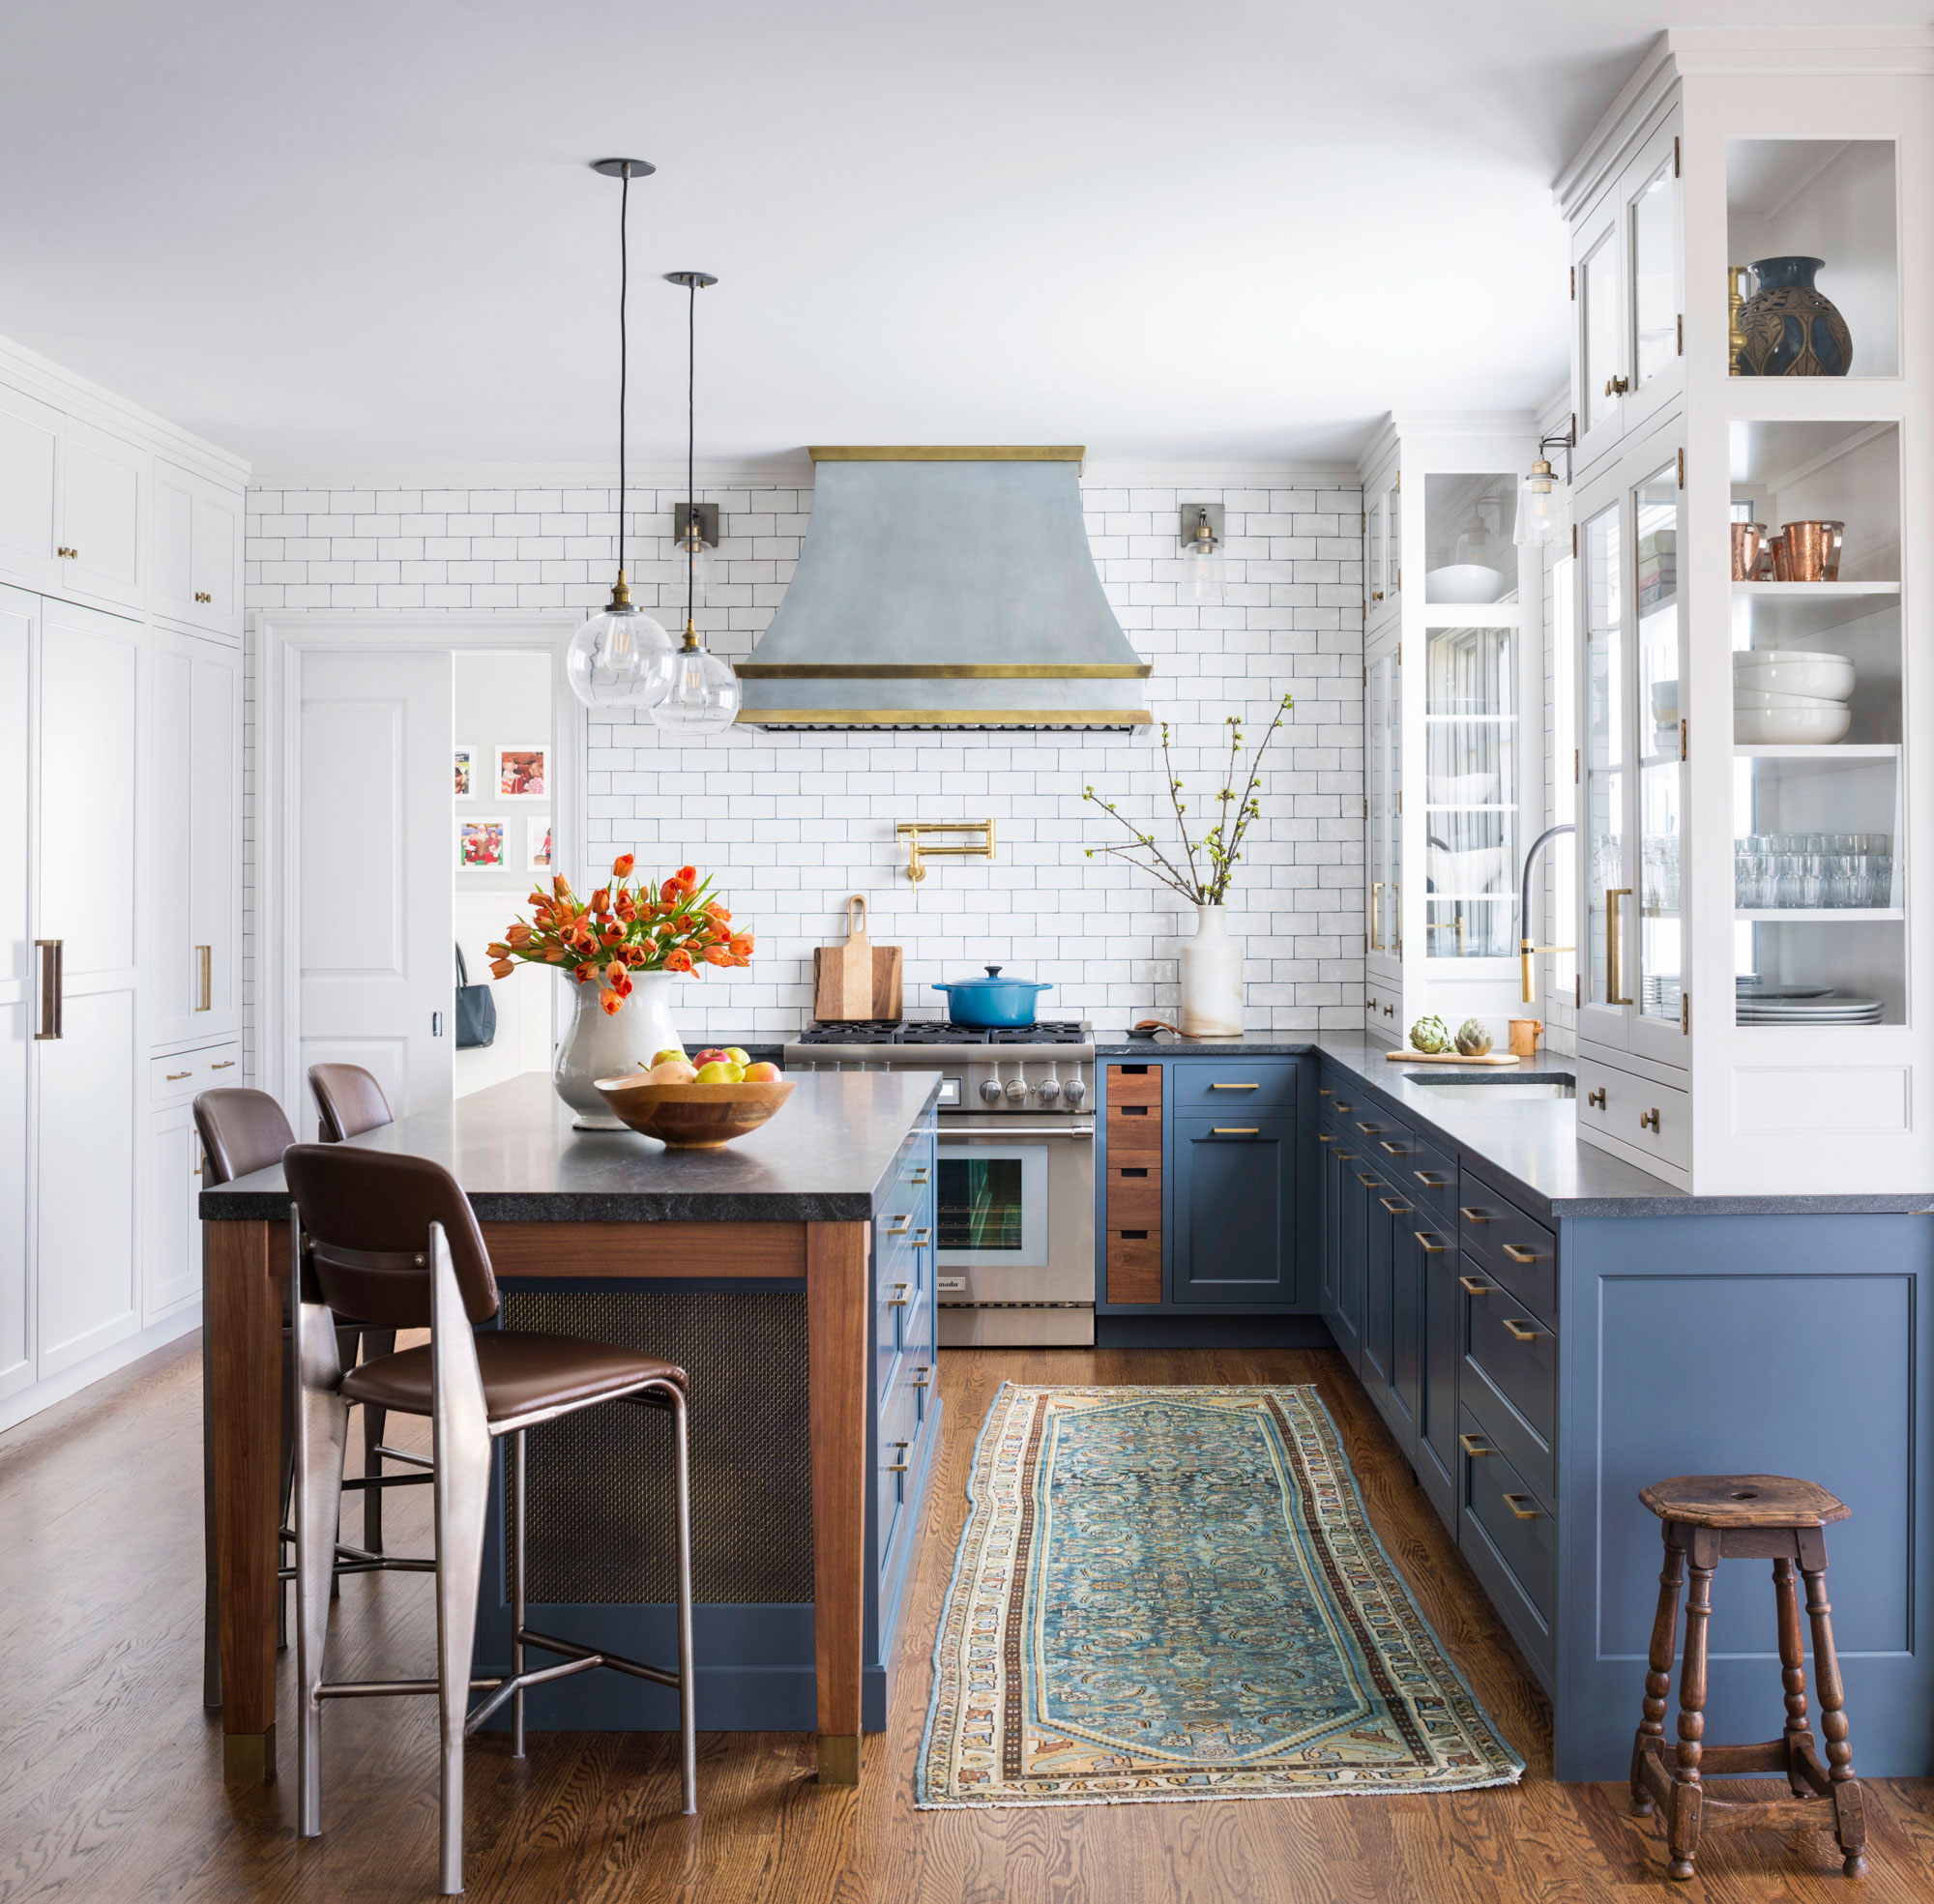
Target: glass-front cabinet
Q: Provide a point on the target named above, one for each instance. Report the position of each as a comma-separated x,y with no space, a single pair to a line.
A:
1449,778
1632,765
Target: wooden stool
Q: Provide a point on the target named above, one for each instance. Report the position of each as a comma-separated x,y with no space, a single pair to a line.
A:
1710,1519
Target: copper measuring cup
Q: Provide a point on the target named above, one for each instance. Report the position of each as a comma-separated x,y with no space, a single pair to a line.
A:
1749,548
1812,550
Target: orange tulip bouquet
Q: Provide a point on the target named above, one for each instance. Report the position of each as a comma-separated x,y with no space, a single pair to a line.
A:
625,928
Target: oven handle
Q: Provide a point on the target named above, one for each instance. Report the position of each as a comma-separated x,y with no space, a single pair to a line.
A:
1010,1132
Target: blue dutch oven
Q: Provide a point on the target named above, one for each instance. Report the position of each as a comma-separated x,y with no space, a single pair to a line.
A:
992,1002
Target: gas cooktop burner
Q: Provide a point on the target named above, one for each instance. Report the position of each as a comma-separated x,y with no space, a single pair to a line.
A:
928,1030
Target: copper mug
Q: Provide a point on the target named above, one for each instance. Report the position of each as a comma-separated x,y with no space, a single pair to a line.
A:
1524,1035
1748,547
1812,551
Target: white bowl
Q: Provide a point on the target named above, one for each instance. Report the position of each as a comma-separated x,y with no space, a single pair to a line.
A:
1463,581
1829,676
1783,727
1759,699
1665,700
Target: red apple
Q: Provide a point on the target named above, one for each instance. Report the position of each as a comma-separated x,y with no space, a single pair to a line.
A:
763,1073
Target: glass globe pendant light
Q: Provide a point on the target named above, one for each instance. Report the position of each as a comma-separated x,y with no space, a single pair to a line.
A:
617,657
701,691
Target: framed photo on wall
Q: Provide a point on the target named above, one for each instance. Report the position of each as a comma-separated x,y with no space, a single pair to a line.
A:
480,846
466,770
523,773
537,829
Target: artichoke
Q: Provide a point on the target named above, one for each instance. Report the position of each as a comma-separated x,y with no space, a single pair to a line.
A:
1473,1039
1430,1034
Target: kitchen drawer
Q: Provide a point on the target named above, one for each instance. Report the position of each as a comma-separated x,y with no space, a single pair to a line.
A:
1134,1084
1513,1526
899,1426
1510,1371
1135,1196
188,1073
1216,1084
1382,1004
896,1302
1517,1252
1134,1265
1134,1133
1431,1176
1619,1105
1380,1133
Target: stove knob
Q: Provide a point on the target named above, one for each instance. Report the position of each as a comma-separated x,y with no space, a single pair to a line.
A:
1017,1089
1074,1091
990,1087
1048,1092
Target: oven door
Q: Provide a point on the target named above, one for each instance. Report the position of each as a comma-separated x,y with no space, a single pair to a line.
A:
1016,1215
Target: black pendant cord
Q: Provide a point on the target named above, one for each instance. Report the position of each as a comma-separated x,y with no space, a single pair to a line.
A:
624,367
690,441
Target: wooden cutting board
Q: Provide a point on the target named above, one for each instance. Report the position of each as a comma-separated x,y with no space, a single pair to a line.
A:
1450,1058
856,979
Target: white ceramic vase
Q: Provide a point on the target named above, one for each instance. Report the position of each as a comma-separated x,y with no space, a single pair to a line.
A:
600,1044
1211,978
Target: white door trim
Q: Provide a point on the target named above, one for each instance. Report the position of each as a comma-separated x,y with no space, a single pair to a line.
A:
280,639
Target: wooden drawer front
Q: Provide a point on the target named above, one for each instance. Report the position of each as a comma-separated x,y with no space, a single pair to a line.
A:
1134,1265
1514,1523
1620,1105
1209,1084
1135,1196
1510,1381
1518,1252
1134,1084
1134,1133
1431,1178
190,1072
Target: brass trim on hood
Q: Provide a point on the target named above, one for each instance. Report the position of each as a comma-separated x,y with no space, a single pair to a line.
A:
943,670
957,452
944,717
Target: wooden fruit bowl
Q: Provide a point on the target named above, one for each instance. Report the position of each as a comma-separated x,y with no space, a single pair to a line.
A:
692,1117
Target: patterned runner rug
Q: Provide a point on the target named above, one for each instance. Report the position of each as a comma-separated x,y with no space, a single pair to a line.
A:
1173,1592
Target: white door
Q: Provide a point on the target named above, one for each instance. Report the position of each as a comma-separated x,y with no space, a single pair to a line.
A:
19,617
30,448
171,1256
217,566
375,860
87,1086
174,583
103,500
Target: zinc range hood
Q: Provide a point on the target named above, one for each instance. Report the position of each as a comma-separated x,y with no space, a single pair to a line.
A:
945,588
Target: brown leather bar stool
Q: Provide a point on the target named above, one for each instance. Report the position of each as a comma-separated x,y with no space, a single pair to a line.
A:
350,1101
242,1131
1710,1519
394,1239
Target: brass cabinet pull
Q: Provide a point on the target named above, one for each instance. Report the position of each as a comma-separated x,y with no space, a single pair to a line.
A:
1595,1099
1520,1332
920,1238
1614,956
1346,1109
1394,1204
1324,1137
1323,1091
1471,1445
1235,1130
52,986
1471,1216
899,1301
1369,1182
922,1378
900,1226
227,1065
1235,1086
918,1175
205,960
1523,1513
1432,1180
1395,1150
1648,1121
899,1467
1518,1253
175,1077
1369,1130
1474,1285
1376,887
1430,1243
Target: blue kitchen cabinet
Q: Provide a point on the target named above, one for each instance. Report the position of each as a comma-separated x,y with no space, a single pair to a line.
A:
1234,1210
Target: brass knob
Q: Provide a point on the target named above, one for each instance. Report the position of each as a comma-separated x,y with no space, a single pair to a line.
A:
1595,1099
1648,1121
201,596
66,554
1616,386
1376,595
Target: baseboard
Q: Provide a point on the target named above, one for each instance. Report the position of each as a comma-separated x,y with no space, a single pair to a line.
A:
1169,1330
25,1403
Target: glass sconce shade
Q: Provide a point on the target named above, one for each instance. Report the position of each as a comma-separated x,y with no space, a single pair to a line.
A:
702,692
1543,506
1202,571
697,558
618,658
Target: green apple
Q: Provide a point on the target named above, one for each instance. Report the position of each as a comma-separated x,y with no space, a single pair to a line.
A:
672,1054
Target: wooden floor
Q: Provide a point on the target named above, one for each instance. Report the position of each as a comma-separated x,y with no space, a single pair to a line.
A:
111,1772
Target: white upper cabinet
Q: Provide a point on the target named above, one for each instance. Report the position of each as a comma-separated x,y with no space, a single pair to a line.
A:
197,551
104,509
30,462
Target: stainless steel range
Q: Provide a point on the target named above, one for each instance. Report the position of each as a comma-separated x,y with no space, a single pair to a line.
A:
1015,1262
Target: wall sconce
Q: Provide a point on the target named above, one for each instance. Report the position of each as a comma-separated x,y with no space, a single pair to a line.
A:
695,527
912,832
1543,503
1201,535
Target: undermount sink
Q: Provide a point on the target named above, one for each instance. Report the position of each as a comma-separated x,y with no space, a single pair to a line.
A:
1550,1088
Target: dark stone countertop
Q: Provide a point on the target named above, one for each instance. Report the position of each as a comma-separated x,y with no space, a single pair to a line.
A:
1530,1151
827,1158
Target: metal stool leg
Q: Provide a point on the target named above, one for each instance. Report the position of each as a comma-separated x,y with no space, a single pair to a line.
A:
688,1723
321,1434
376,1342
518,1591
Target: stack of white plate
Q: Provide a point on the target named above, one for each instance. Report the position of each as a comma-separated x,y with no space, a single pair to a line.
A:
1768,1003
1789,696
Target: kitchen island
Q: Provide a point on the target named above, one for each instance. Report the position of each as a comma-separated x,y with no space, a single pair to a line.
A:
1545,1328
791,1274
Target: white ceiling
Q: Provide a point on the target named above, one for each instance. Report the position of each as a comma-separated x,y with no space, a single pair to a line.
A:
363,233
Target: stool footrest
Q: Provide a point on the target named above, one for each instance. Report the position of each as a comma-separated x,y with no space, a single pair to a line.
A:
639,1670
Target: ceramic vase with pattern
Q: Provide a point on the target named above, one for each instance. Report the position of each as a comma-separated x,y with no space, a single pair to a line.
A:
600,1044
1211,978
1787,329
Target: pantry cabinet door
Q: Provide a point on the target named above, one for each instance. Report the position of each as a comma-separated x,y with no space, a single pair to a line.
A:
1235,1208
31,436
174,543
103,506
19,615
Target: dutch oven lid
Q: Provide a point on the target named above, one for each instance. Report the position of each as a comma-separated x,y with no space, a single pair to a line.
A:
993,981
